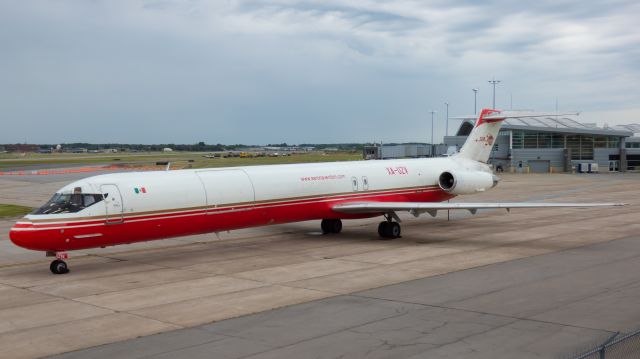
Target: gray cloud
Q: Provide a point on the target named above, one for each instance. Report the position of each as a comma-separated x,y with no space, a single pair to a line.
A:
302,71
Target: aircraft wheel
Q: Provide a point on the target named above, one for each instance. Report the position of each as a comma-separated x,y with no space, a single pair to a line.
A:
394,229
389,230
59,267
331,226
382,229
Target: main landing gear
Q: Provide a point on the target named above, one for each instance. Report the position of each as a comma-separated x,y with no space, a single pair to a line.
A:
58,266
389,229
331,226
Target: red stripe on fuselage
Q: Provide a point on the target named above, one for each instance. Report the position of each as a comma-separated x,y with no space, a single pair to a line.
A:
63,236
81,221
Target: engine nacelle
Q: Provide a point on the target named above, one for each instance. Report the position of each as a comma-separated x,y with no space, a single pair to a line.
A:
466,182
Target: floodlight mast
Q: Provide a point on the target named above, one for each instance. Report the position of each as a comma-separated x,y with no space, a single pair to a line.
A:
446,132
475,94
432,113
494,82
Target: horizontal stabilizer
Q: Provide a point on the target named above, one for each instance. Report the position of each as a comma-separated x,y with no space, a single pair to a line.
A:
517,114
522,114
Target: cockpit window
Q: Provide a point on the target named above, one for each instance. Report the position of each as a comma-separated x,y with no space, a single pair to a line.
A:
68,203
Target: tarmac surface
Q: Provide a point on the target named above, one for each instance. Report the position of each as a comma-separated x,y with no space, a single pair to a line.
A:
532,283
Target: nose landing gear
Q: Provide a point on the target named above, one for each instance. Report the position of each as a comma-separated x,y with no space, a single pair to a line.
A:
58,266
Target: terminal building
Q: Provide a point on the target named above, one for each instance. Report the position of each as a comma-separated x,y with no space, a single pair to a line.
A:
559,144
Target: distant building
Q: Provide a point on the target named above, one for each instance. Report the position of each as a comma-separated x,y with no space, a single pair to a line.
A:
167,149
22,147
632,145
408,150
557,144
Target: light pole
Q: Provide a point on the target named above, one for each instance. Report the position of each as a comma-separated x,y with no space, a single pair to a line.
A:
494,82
446,132
475,95
432,113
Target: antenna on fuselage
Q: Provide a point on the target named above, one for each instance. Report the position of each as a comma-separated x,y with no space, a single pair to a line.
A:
168,166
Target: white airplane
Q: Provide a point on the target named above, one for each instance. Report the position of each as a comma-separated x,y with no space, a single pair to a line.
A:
121,208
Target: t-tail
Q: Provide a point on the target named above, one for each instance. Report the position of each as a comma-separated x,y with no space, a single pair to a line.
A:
481,139
480,142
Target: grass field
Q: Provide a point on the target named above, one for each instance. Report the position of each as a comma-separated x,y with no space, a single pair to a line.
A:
178,159
10,210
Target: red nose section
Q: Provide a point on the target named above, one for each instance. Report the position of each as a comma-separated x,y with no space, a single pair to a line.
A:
21,235
18,237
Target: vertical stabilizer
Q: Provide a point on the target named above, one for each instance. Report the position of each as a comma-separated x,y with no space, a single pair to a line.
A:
481,139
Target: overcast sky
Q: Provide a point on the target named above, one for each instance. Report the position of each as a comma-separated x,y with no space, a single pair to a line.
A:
304,71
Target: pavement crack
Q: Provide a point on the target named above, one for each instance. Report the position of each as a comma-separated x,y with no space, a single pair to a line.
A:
481,312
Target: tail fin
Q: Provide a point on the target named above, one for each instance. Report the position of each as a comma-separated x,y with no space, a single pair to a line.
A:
480,141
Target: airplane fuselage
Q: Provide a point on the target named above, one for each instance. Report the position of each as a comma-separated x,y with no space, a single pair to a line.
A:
142,206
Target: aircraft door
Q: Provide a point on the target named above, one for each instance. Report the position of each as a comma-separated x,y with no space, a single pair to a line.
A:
354,184
113,203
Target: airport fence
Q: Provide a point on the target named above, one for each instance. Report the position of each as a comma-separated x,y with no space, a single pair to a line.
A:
626,346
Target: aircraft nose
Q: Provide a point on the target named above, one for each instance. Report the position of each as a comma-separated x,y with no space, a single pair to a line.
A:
17,237
21,237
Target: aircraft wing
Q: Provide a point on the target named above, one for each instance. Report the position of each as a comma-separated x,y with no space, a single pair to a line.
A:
416,208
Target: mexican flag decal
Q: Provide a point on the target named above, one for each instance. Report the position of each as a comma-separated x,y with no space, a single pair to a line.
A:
139,190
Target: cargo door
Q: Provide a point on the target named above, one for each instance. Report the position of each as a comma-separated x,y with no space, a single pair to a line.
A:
229,189
113,203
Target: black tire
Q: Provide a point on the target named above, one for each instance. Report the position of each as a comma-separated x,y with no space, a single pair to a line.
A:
394,230
382,229
325,226
58,267
389,230
331,226
336,226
